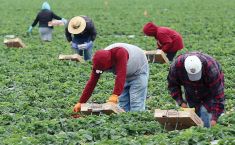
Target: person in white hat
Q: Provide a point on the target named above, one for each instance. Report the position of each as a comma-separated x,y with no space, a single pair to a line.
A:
43,17
203,82
81,33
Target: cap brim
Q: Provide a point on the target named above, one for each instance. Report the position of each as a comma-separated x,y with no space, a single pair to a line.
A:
195,77
78,30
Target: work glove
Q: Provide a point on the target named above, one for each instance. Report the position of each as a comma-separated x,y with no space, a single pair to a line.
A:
77,107
64,21
73,45
82,46
213,122
30,29
85,46
184,105
113,99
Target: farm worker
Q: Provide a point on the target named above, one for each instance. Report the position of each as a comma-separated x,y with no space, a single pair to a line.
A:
129,64
84,34
168,40
43,17
203,82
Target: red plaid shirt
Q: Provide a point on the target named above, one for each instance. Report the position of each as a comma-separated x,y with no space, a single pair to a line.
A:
208,91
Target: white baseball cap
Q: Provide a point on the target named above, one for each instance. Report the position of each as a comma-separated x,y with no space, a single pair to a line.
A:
193,66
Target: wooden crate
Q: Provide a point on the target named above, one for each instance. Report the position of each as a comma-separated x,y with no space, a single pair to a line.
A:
14,42
156,56
96,109
74,57
56,23
173,119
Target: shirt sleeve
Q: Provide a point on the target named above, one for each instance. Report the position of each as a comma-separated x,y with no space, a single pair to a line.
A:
120,68
90,86
165,41
215,81
35,21
54,16
174,86
92,31
68,35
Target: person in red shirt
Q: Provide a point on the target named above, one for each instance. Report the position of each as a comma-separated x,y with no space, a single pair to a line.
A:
168,40
130,65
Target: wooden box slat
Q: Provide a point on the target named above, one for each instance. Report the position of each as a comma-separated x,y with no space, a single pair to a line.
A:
55,23
156,56
73,57
96,109
14,42
182,119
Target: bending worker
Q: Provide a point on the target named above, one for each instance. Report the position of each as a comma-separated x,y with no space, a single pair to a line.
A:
168,40
130,65
203,82
81,34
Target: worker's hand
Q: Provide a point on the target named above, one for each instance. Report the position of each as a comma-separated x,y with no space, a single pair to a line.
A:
30,29
64,21
184,105
82,46
73,45
213,122
113,99
77,107
85,45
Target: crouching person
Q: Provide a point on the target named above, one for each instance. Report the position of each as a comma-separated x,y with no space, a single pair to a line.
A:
203,82
168,40
81,34
130,65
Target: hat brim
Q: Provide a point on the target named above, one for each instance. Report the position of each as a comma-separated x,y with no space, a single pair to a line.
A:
195,77
78,30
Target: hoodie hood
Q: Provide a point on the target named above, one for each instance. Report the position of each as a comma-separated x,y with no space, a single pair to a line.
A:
102,60
150,29
46,6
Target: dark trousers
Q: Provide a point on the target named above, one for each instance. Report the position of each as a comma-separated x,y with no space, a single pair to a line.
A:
171,55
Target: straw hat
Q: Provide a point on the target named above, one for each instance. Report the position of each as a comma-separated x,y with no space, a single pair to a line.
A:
77,25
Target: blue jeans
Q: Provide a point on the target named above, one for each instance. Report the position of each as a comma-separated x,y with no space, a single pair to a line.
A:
87,53
134,94
45,33
205,116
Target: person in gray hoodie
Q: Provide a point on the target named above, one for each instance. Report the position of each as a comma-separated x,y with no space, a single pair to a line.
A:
130,66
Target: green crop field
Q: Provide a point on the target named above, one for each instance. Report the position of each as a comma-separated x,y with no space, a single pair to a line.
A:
38,92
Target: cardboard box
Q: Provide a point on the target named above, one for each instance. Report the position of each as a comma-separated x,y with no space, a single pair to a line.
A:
156,56
55,23
74,57
14,42
173,119
96,109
